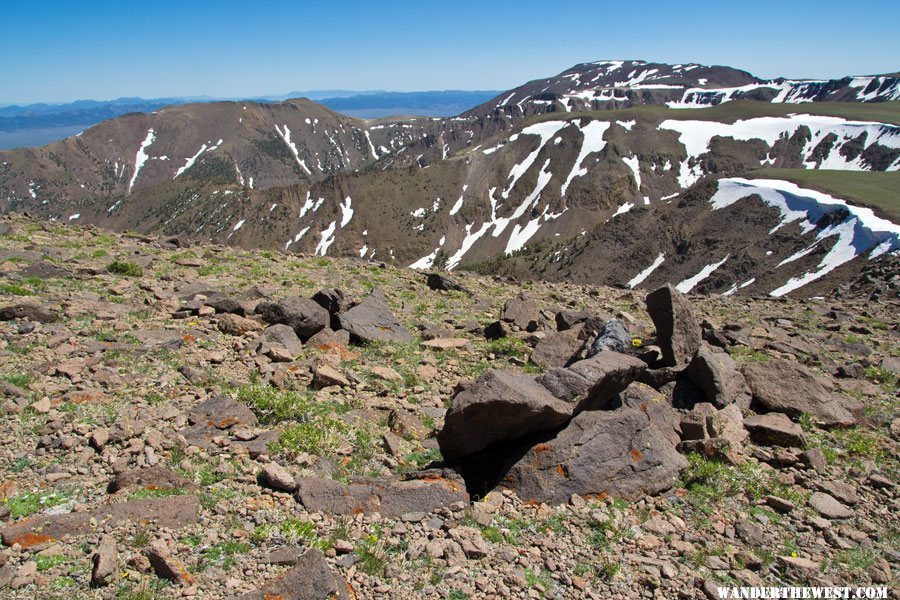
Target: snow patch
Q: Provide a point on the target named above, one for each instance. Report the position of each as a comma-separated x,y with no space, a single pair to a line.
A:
688,284
592,142
860,231
141,157
640,277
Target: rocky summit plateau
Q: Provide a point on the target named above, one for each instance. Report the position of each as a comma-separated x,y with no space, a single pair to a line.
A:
209,421
630,331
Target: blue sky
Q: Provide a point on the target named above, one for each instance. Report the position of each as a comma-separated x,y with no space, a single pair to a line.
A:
59,50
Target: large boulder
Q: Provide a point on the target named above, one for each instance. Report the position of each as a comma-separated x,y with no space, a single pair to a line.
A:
657,408
677,330
445,283
222,413
372,320
619,453
613,336
609,373
499,406
718,376
557,348
787,387
391,498
334,301
522,312
304,315
278,338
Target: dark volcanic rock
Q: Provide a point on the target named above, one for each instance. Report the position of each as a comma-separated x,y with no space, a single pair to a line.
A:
499,406
281,337
677,331
167,566
310,579
620,454
444,283
32,312
222,413
156,477
657,408
334,301
372,320
557,348
774,429
717,375
389,497
565,384
567,319
609,373
522,312
784,386
304,315
612,337
226,304
103,562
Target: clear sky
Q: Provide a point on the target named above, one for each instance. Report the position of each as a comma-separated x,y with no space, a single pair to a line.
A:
61,50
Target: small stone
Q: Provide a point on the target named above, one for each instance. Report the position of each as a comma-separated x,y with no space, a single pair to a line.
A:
774,429
325,376
167,566
99,438
277,477
104,562
780,505
802,567
42,406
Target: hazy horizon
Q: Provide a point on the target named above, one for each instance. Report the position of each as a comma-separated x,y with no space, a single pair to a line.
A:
65,52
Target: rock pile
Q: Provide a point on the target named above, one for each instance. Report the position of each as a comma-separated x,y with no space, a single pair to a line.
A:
576,429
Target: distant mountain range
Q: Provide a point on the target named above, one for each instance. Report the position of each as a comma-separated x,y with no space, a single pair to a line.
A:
39,124
616,172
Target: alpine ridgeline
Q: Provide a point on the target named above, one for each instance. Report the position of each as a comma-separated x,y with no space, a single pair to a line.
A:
618,172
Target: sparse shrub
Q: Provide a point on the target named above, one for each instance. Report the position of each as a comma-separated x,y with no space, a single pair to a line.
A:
126,268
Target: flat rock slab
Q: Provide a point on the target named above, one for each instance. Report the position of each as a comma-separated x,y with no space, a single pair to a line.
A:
174,512
389,497
162,339
499,406
37,314
788,387
372,320
156,477
677,330
774,429
829,507
619,454
609,373
310,579
447,344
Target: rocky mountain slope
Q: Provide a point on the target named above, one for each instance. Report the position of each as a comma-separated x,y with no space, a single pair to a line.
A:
216,422
623,83
600,196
